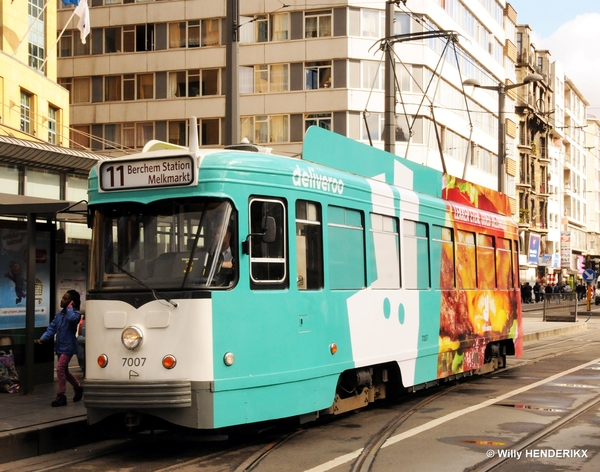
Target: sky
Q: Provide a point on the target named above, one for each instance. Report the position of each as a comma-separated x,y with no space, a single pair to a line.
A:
570,30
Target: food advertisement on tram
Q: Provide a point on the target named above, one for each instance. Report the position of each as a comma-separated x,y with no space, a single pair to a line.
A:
484,305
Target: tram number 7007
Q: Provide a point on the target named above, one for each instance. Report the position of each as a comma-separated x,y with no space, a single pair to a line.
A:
134,361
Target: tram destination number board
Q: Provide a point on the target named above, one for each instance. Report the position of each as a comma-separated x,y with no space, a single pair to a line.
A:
172,171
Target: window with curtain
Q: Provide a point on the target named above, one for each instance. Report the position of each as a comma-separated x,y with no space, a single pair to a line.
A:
279,77
177,84
177,132
280,26
112,88
177,35
144,132
371,22
193,34
317,24
80,136
112,136
210,82
81,90
318,75
261,78
246,79
210,32
128,135
52,124
145,86
279,129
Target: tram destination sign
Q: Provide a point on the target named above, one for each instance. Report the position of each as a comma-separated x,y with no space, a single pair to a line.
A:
165,171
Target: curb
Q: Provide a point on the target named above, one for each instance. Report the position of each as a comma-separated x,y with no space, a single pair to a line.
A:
554,331
43,439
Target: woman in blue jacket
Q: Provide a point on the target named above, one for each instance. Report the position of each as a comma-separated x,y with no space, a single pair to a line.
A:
64,326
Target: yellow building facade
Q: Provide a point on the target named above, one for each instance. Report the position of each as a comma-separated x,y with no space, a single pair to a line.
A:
33,104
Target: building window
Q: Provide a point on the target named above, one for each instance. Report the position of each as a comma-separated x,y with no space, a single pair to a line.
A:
145,86
318,75
112,40
317,24
194,83
26,111
52,124
37,37
275,27
177,132
372,75
112,88
193,34
112,136
266,129
80,136
322,120
210,32
271,78
372,23
210,132
144,132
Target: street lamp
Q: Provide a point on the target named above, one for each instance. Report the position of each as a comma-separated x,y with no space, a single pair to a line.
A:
501,88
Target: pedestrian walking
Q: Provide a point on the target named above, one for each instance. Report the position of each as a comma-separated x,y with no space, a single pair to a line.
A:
64,326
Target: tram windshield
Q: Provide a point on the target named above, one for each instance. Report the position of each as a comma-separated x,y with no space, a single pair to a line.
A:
170,244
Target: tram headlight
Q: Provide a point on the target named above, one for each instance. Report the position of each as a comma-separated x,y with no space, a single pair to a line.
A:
132,338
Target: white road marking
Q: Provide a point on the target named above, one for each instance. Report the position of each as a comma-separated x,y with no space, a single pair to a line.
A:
444,419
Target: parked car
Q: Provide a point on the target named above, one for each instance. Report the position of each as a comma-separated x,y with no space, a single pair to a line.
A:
597,296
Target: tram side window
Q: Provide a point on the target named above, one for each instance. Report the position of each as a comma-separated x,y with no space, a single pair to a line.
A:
486,262
267,258
465,260
384,231
309,246
442,248
504,264
346,248
416,255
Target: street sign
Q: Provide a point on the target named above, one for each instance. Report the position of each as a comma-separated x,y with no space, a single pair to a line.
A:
589,275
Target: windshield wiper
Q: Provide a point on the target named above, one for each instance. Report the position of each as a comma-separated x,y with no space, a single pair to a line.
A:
135,279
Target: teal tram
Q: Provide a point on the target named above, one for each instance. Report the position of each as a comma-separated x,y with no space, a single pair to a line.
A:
230,287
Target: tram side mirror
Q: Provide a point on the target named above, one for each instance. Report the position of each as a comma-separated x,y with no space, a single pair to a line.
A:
268,227
60,241
268,234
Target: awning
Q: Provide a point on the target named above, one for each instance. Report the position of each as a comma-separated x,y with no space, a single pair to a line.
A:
45,155
61,210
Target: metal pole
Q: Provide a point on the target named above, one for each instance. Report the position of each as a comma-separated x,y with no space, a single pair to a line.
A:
29,380
501,139
389,127
232,92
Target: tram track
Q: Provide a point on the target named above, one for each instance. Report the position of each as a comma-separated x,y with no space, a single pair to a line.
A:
253,453
537,437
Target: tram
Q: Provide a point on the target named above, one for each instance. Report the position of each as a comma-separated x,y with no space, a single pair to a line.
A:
230,287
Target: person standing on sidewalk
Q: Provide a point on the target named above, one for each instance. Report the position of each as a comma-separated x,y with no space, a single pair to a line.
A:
64,327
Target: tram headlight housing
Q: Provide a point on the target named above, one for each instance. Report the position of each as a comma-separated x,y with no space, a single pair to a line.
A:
132,338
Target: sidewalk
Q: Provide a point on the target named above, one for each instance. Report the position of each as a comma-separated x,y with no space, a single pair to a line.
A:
29,426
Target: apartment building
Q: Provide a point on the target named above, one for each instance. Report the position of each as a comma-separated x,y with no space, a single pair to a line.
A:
150,65
533,107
